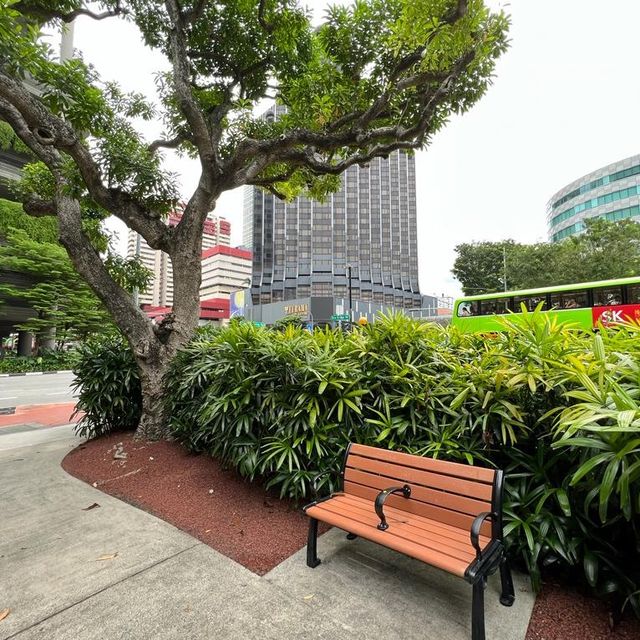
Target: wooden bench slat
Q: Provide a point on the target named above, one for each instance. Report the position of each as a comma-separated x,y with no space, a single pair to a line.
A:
419,528
436,497
420,552
456,469
402,529
399,474
426,524
453,518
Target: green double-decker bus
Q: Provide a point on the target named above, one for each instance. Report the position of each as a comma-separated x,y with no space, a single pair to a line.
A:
585,305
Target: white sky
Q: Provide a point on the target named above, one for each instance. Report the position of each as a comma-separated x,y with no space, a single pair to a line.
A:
565,101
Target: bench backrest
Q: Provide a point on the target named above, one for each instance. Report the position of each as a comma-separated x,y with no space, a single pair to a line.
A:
448,492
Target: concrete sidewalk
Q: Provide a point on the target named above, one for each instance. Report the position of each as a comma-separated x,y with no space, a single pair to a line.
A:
117,572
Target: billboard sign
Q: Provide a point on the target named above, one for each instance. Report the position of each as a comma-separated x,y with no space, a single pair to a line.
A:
615,314
236,304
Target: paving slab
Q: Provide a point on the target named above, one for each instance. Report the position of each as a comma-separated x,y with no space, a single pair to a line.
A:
38,436
379,593
50,547
62,579
197,594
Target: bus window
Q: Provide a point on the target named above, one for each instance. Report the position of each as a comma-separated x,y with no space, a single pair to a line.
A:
502,305
574,300
556,301
607,296
530,302
633,294
466,309
487,307
494,307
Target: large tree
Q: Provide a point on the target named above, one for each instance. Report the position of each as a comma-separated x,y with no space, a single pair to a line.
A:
374,77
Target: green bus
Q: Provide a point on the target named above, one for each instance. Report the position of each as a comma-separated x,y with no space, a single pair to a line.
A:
585,304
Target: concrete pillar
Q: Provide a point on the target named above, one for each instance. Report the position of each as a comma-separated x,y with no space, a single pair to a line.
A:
46,342
25,343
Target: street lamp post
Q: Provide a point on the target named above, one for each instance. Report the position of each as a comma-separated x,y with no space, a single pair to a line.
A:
350,294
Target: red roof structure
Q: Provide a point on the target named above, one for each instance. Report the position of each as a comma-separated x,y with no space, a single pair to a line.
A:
220,249
210,226
211,309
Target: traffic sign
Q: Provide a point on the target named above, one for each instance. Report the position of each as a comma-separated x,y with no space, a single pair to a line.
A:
338,317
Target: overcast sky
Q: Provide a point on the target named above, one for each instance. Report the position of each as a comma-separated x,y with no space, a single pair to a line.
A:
565,101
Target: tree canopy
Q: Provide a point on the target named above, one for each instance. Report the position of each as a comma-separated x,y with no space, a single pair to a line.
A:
374,77
605,250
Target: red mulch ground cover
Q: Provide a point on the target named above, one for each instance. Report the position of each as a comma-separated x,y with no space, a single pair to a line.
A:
194,493
256,529
565,614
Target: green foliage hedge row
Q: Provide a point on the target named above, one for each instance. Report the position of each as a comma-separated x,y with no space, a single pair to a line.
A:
51,361
559,410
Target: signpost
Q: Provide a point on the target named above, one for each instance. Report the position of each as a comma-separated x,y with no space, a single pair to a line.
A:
340,317
259,324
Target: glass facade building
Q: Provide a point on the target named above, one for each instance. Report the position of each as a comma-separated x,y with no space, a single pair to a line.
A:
302,248
612,193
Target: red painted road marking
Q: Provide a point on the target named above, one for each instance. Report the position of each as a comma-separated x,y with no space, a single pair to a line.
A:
47,415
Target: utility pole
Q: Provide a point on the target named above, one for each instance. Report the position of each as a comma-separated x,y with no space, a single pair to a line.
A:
504,266
66,41
136,294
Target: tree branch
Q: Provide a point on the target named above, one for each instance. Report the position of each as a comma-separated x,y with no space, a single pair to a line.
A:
53,14
47,136
267,26
39,207
181,78
173,143
89,265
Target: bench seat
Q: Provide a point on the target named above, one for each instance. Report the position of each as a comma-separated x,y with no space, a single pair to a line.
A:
430,541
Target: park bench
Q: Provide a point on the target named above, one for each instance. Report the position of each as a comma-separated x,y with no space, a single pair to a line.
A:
445,514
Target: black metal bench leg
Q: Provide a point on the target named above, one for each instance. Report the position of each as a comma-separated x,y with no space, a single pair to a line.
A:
312,544
477,610
508,595
351,536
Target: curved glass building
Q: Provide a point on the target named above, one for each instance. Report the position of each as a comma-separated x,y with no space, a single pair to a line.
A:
612,192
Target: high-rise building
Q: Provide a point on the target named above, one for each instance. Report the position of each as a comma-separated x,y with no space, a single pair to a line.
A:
217,231
224,270
611,192
303,249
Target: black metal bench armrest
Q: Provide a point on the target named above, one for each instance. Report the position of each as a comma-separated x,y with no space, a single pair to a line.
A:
475,530
405,490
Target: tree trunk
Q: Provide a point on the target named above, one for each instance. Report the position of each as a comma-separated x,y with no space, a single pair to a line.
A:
154,421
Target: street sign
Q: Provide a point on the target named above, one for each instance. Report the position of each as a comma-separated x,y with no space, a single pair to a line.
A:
259,324
337,317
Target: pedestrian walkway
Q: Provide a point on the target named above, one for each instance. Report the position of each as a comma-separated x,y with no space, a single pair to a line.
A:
77,564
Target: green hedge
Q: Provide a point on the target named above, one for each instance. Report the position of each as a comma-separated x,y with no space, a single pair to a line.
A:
108,386
556,408
51,361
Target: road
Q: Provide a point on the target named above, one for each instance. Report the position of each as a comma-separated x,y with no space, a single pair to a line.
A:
42,389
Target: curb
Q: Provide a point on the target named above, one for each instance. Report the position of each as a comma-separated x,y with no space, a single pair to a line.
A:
33,373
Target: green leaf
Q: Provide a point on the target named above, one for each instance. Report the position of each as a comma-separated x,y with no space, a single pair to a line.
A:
590,564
